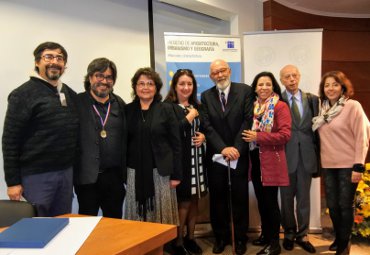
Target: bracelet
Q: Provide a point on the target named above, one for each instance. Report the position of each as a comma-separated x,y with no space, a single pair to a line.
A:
359,168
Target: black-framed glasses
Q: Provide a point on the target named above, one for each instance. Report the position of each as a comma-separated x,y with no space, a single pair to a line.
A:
100,77
50,58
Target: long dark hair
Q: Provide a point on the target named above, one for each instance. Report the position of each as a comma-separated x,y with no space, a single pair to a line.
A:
275,85
172,94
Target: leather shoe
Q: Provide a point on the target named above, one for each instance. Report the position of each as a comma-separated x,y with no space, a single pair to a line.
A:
260,241
219,246
306,245
333,246
179,250
192,246
240,247
270,249
288,244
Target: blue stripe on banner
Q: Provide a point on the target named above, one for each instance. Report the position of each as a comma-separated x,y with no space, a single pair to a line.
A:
201,73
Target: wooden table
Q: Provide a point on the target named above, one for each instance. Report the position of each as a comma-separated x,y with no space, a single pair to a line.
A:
125,237
115,236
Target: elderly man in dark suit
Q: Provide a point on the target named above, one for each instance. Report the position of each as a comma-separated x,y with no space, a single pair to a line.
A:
228,111
301,159
101,168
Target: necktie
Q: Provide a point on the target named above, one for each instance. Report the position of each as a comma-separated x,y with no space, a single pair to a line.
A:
295,110
223,101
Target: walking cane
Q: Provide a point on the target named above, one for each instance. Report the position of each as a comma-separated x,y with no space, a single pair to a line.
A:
231,208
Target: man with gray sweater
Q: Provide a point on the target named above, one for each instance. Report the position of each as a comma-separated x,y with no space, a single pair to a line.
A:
40,136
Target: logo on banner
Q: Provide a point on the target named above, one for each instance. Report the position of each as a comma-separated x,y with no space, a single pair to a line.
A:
230,44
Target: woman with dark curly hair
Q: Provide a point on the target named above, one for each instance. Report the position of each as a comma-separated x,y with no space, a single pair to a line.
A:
154,166
344,141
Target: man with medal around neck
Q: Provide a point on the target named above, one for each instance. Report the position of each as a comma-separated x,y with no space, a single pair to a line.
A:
40,136
100,170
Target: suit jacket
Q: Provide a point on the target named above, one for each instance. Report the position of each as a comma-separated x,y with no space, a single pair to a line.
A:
87,167
274,169
302,138
165,138
224,129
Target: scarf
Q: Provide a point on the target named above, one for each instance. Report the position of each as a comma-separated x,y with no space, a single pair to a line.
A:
263,116
327,113
144,184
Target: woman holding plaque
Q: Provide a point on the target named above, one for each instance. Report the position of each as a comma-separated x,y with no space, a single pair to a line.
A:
183,97
154,167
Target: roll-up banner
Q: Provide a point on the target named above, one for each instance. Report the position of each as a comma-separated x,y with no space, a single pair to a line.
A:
197,51
271,51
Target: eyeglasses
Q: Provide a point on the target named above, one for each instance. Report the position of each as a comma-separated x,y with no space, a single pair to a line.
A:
50,58
142,84
100,77
222,71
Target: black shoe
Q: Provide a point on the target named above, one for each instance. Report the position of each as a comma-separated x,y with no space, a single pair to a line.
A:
240,247
179,250
191,246
219,246
306,245
270,249
333,246
288,244
343,250
260,241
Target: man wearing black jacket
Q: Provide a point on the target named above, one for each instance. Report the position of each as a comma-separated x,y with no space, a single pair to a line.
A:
100,170
40,135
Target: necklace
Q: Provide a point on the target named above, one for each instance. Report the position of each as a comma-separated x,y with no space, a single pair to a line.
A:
142,115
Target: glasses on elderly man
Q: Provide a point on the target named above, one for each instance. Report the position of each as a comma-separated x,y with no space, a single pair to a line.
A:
50,58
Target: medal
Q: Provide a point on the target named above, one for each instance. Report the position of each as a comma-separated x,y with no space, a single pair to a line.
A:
103,134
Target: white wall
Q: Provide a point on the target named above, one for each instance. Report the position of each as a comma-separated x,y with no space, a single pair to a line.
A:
116,29
87,29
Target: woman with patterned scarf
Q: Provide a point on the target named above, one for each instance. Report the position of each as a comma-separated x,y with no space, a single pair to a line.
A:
270,132
344,141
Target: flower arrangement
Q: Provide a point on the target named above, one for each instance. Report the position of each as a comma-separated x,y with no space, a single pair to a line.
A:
362,206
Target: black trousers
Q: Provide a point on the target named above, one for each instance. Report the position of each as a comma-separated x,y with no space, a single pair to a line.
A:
340,194
219,199
107,193
267,200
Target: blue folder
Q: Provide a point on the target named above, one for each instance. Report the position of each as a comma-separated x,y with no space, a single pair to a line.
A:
32,232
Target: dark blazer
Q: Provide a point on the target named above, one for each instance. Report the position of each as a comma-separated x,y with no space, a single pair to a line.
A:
165,138
302,137
87,167
184,189
224,129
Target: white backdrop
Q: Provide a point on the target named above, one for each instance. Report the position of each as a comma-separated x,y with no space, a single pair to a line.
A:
270,51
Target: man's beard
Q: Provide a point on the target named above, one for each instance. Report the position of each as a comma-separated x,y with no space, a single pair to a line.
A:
222,85
53,76
101,94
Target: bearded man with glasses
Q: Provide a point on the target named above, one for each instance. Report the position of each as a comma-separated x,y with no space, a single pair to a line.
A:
100,169
40,136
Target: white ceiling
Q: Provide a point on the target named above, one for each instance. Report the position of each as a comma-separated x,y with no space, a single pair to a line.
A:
334,8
